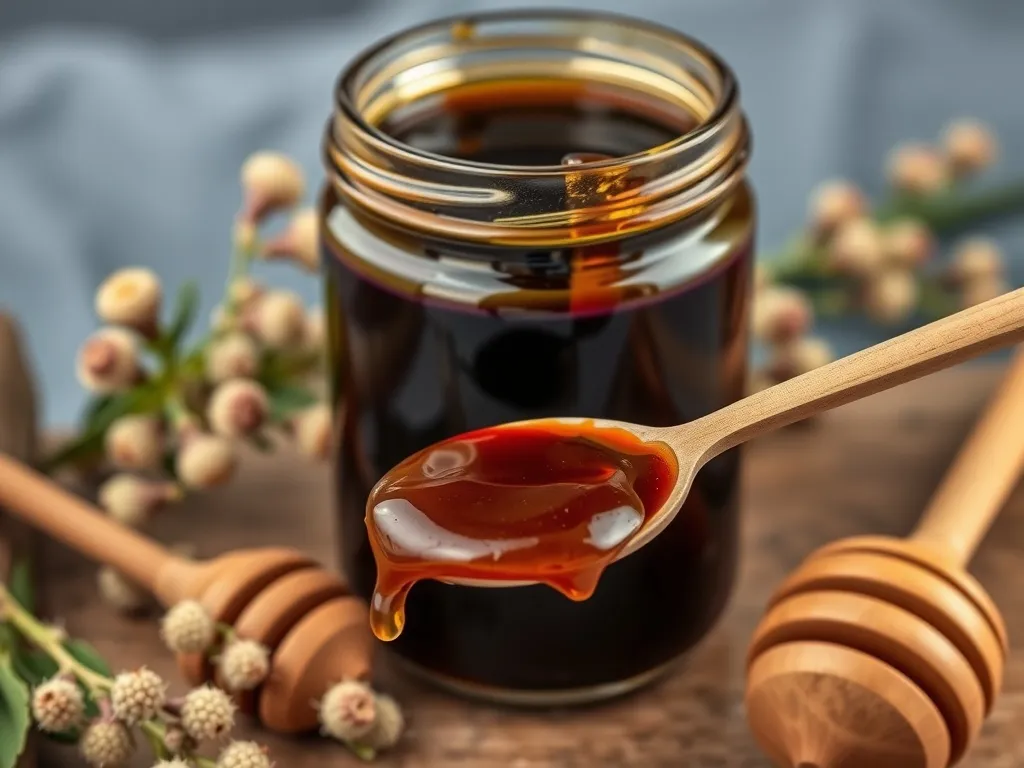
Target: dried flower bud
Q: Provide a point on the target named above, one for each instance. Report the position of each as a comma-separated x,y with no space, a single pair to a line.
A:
313,431
244,754
237,408
188,628
58,705
207,714
798,357
205,461
121,592
388,727
856,249
135,442
108,361
106,744
279,320
130,297
891,296
834,203
270,180
907,243
348,711
982,289
970,146
780,313
917,169
300,242
232,357
975,259
244,664
131,500
313,336
245,291
137,696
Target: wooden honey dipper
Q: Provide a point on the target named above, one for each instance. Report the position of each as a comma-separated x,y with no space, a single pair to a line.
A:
317,632
883,652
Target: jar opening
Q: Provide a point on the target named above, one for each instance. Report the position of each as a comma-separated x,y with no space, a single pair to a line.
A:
459,127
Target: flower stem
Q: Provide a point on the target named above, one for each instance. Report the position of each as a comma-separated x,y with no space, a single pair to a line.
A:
48,640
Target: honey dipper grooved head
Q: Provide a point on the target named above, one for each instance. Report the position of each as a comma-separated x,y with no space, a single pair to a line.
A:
316,631
875,648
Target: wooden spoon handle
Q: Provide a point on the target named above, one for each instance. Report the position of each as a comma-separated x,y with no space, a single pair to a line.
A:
968,333
982,475
30,496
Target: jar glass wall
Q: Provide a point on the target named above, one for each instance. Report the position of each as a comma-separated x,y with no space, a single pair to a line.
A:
527,215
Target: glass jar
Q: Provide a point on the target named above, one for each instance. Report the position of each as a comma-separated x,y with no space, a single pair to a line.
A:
539,214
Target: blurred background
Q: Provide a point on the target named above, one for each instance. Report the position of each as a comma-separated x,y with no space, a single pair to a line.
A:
123,124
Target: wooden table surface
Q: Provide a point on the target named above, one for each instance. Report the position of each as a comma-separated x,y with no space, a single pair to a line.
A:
867,467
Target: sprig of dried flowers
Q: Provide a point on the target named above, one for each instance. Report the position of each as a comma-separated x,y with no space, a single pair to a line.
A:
169,416
69,691
855,258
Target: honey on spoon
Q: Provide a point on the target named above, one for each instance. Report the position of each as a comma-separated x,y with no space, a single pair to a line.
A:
555,501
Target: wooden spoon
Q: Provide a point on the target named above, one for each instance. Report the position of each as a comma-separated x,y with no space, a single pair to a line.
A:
317,632
958,337
885,652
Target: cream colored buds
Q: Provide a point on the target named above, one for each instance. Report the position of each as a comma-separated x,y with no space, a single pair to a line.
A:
135,442
300,241
280,320
270,180
237,408
891,296
834,203
917,169
856,249
131,500
907,243
205,461
108,361
313,431
780,313
232,356
130,297
969,146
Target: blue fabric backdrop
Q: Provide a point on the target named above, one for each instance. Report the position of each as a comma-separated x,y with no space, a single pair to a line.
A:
123,124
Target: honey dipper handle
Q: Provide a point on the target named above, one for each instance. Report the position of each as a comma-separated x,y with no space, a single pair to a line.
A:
983,474
38,501
996,323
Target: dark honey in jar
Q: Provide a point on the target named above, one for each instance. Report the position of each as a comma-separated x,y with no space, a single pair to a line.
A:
529,215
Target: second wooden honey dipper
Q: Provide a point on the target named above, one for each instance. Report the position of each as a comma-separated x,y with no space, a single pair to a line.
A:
318,634
886,653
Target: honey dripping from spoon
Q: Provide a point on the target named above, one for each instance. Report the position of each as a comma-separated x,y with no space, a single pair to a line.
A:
549,502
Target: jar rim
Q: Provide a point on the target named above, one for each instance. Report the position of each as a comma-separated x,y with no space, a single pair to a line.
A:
375,167
345,102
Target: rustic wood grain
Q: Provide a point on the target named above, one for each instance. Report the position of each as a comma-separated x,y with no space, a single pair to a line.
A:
866,467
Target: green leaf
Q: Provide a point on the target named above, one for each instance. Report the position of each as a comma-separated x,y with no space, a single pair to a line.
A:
20,584
142,399
14,713
286,399
186,306
85,654
34,667
94,409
